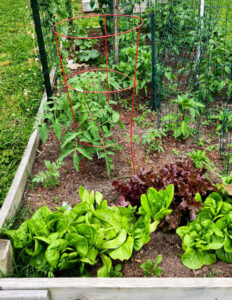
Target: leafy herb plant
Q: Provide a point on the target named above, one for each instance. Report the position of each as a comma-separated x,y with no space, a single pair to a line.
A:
50,177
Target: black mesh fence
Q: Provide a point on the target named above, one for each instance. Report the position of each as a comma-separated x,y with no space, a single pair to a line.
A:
184,69
185,63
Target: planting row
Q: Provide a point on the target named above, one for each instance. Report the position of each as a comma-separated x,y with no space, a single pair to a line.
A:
97,237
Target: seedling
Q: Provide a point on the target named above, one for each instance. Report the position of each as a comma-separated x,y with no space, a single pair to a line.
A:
153,140
56,200
142,119
201,160
212,147
175,152
136,138
116,271
150,269
212,273
201,142
224,119
50,177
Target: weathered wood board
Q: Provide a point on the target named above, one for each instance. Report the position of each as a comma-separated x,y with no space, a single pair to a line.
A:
24,295
126,288
16,190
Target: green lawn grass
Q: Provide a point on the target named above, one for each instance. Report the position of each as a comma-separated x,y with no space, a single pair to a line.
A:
21,86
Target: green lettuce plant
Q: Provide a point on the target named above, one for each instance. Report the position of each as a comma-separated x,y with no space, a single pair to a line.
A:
210,235
91,231
156,204
200,239
225,225
214,208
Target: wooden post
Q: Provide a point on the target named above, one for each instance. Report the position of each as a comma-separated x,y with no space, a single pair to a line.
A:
116,41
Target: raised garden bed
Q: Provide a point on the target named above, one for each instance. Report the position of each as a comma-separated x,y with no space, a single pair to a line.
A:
166,243
165,153
130,288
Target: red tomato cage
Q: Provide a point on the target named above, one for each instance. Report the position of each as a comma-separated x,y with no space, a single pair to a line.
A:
104,18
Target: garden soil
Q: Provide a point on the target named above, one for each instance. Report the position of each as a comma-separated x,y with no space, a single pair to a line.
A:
168,244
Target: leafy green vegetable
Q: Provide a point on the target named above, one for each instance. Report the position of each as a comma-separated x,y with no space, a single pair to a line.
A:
125,251
54,251
116,242
188,182
225,225
201,160
156,204
158,271
104,271
210,235
141,232
199,240
224,256
92,230
214,207
147,267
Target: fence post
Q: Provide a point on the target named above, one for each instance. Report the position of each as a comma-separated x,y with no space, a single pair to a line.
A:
154,104
201,25
116,40
68,6
42,51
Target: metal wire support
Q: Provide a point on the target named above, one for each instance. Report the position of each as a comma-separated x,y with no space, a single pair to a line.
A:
108,91
42,51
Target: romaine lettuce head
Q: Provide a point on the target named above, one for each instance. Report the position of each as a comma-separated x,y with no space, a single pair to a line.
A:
156,203
199,240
